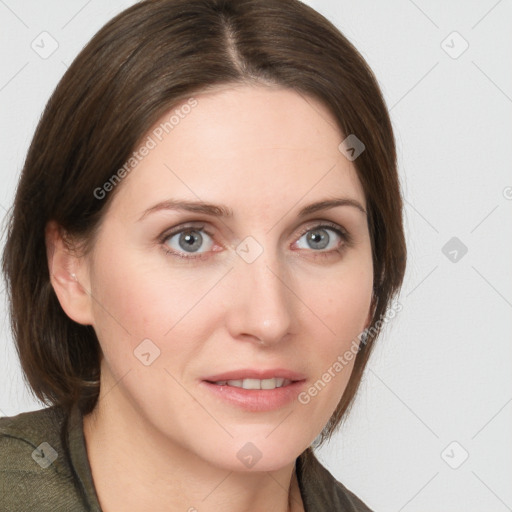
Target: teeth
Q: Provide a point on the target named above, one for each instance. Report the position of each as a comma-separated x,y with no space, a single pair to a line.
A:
249,383
256,383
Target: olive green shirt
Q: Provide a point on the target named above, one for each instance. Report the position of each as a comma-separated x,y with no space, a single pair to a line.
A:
44,467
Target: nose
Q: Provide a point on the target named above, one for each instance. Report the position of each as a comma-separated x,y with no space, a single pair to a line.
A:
261,302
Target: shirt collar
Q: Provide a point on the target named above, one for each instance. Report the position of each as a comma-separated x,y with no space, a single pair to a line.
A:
80,460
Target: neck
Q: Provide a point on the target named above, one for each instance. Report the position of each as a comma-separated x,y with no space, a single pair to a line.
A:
135,467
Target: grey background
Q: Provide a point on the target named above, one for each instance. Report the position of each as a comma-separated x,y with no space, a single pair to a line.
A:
442,371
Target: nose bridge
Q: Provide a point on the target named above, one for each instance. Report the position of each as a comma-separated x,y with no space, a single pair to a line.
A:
262,305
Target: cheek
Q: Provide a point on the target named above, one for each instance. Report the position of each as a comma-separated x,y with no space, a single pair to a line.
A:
138,299
340,301
340,307
127,304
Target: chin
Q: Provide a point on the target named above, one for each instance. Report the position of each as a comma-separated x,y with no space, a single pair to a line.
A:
269,463
259,451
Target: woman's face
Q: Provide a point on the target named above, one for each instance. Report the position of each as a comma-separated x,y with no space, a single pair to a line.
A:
183,295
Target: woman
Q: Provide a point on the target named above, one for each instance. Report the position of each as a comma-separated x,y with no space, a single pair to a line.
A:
206,232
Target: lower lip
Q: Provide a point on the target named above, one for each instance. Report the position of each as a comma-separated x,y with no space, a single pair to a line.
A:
257,400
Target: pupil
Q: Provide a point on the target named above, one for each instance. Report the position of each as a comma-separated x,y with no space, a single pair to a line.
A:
191,242
319,239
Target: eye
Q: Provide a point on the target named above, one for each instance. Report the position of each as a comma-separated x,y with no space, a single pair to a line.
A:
187,241
323,238
193,242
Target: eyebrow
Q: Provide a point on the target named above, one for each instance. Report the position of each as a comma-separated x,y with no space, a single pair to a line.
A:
219,210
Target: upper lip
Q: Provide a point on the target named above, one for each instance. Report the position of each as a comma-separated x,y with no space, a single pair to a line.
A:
252,373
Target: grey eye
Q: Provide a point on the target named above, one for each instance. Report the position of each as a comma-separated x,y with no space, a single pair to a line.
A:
189,240
319,239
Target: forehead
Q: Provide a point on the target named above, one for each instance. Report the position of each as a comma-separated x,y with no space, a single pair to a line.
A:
247,146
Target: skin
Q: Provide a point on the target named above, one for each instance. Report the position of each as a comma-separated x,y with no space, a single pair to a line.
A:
157,440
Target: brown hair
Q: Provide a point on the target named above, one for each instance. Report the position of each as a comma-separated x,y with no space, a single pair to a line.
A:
138,66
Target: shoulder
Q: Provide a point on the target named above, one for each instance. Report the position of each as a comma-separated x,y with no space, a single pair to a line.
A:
35,474
321,491
28,423
24,433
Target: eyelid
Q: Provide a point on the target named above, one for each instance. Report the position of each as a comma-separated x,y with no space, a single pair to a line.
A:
200,226
318,223
195,225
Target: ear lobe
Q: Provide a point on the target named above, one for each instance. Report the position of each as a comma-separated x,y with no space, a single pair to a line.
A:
68,275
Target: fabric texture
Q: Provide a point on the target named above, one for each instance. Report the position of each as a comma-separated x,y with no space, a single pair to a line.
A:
44,467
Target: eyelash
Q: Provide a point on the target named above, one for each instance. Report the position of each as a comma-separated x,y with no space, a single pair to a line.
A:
342,233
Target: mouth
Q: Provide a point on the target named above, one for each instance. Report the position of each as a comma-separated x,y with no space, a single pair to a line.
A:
256,390
272,383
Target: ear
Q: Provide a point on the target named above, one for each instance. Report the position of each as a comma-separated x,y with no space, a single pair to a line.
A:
69,275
